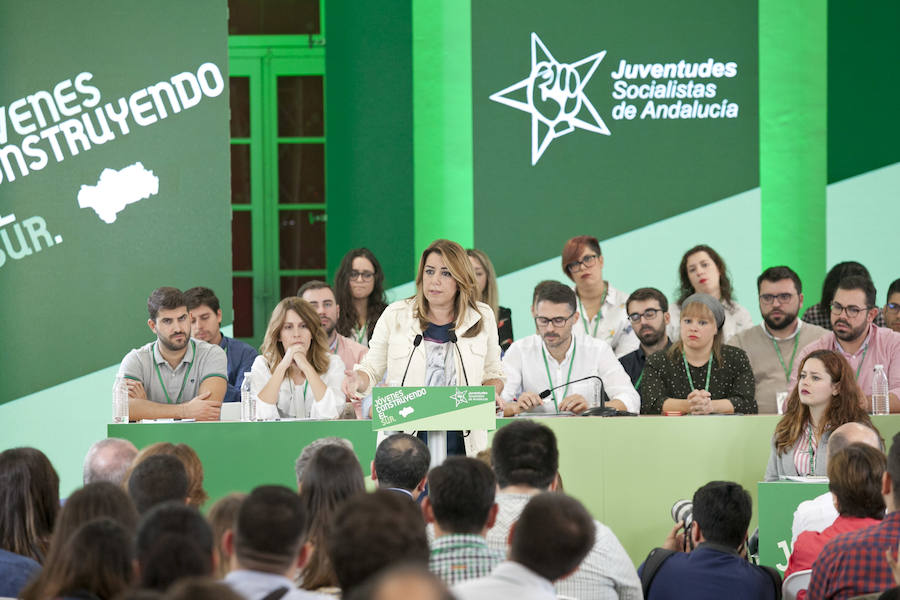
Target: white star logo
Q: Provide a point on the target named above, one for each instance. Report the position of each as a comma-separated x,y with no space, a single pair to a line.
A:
460,397
561,103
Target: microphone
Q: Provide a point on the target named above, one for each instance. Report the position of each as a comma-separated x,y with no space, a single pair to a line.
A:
452,336
416,342
597,411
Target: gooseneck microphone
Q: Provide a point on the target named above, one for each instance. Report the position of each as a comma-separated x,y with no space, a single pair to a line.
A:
416,342
547,392
452,336
597,411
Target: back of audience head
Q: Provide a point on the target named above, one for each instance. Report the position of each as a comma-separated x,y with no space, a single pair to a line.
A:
95,561
524,453
310,449
201,588
29,502
401,461
371,532
404,582
108,460
331,477
196,495
157,479
461,496
222,518
723,509
834,277
552,536
854,477
853,433
270,531
173,541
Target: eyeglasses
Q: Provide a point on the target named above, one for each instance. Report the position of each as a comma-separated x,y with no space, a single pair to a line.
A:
363,275
893,307
852,311
557,321
770,298
585,263
648,314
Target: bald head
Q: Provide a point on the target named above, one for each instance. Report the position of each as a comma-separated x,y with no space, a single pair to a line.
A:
108,460
853,433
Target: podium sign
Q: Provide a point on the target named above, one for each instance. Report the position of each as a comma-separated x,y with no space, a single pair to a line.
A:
449,408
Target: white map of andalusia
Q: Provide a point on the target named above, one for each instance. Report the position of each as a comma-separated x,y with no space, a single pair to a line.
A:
117,189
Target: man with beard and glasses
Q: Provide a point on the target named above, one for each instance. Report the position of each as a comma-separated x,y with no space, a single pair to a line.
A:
858,339
648,311
174,377
555,358
892,308
773,345
320,295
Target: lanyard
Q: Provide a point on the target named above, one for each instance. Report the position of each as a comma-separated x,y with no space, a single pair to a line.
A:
637,383
183,381
861,359
361,334
787,368
688,371
812,452
584,319
568,376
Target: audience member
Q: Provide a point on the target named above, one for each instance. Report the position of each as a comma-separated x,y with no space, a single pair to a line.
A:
359,288
772,346
333,476
703,271
853,564
197,496
699,374
222,517
295,375
715,565
157,479
600,305
819,513
854,479
401,464
310,450
526,461
94,562
858,339
108,460
552,536
825,398
206,320
554,357
201,588
402,583
892,307
648,311
820,314
372,532
460,504
173,541
486,283
174,376
321,297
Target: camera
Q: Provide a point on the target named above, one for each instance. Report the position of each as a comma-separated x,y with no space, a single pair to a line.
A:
683,510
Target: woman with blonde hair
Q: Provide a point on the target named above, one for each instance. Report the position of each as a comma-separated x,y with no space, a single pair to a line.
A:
440,336
295,375
699,374
486,280
826,396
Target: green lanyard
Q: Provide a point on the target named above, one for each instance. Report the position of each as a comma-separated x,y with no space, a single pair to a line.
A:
361,334
787,368
637,383
183,381
550,379
861,359
812,453
687,370
584,319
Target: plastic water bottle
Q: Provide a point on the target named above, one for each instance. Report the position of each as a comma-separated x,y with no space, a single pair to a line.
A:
880,403
119,401
248,406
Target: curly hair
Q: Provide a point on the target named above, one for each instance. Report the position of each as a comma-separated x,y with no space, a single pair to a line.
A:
685,288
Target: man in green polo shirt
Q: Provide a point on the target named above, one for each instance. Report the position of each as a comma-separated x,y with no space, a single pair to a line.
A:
174,376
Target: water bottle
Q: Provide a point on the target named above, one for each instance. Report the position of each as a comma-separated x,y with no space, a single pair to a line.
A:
119,401
248,408
880,403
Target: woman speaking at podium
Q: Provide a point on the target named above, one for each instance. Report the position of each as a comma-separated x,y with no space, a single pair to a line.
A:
442,336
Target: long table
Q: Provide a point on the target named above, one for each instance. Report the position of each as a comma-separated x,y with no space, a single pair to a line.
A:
627,471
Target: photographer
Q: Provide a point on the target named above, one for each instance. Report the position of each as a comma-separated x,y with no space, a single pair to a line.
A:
714,563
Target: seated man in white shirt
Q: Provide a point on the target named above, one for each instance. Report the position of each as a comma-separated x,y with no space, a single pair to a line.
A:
819,513
555,357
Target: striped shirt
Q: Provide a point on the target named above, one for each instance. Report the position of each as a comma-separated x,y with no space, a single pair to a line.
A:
459,557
